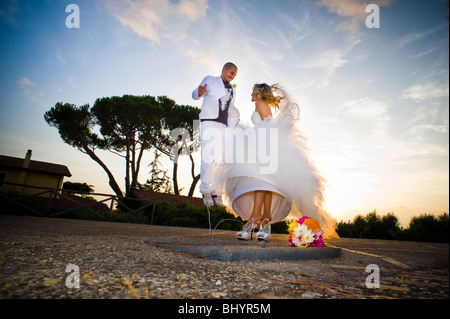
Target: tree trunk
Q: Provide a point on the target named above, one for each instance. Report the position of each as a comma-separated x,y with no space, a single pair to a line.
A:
127,170
112,181
138,166
175,173
194,183
195,178
175,179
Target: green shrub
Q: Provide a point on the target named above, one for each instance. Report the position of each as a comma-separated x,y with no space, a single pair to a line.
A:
425,227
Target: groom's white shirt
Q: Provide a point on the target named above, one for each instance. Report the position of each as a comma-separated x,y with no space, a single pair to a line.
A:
210,106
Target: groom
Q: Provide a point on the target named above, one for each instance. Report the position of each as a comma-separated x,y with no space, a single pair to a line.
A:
217,113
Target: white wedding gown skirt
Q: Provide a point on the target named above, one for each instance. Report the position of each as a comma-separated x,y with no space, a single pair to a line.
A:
295,184
242,191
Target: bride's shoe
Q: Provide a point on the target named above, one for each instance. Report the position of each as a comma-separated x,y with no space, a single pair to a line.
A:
264,231
247,231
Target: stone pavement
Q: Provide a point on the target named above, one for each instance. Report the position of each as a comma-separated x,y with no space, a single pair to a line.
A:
44,257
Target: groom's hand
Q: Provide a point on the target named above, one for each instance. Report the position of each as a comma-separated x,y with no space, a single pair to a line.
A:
202,90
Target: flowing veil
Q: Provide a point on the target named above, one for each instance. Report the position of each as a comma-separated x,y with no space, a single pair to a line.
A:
296,176
307,191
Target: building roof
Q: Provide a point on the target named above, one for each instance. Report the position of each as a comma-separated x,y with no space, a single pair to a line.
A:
164,197
70,201
17,163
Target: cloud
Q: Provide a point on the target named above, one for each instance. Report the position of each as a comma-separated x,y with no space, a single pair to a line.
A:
323,64
430,113
71,82
165,22
230,35
430,123
354,11
425,91
426,52
158,20
23,81
437,128
202,57
328,59
366,108
297,28
416,36
25,84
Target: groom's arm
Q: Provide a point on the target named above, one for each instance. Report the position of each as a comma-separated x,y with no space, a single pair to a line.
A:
200,90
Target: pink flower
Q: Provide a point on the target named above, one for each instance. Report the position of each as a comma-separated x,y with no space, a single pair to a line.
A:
300,221
319,242
293,244
318,233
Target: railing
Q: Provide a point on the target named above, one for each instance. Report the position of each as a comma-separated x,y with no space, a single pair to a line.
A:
76,203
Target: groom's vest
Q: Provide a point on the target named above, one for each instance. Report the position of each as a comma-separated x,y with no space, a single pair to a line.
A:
210,109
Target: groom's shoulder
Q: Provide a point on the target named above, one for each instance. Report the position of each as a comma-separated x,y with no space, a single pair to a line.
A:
211,77
211,80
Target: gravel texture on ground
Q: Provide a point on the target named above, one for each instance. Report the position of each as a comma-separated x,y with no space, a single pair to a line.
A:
43,257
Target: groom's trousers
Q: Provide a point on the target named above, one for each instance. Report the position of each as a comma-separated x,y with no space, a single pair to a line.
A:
212,152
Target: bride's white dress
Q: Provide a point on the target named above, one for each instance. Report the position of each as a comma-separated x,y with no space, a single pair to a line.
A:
296,185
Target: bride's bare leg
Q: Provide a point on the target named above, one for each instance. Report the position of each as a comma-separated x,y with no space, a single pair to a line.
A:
267,206
258,199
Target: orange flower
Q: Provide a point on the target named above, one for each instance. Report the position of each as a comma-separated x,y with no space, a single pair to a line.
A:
311,224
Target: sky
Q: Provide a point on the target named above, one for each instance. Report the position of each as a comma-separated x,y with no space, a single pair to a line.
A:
374,98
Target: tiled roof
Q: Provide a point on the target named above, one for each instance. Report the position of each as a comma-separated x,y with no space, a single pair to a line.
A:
15,162
70,201
171,198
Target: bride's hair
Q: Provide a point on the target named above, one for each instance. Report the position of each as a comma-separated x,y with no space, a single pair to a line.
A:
265,92
280,100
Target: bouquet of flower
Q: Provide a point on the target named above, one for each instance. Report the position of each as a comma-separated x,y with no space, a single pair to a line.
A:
305,232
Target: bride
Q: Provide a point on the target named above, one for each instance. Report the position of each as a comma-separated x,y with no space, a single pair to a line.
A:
293,189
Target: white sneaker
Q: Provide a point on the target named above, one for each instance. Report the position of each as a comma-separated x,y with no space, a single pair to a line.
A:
207,200
218,200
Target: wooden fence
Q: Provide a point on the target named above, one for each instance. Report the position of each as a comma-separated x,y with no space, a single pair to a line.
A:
59,201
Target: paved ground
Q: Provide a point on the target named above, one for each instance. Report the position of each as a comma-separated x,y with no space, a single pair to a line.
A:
116,260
